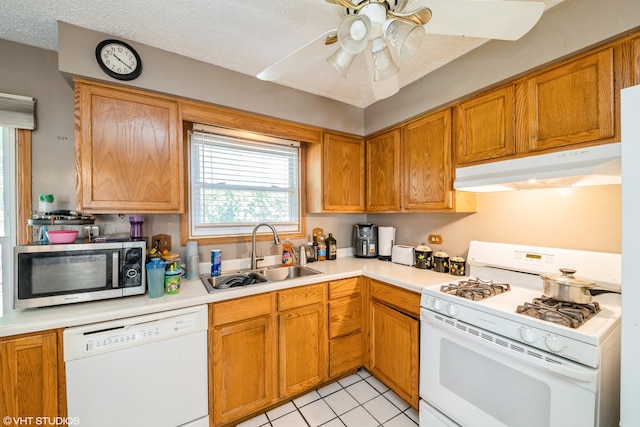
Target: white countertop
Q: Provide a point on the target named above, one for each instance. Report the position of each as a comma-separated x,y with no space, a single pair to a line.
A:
192,292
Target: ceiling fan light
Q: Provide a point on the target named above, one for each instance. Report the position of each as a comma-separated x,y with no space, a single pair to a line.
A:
383,64
341,60
405,37
353,33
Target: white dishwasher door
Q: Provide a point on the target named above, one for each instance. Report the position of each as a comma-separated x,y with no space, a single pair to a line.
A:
140,371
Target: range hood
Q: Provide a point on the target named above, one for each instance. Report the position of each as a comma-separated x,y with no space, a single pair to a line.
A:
597,165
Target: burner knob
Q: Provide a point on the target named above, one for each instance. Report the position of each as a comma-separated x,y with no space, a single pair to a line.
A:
554,343
452,310
437,305
527,334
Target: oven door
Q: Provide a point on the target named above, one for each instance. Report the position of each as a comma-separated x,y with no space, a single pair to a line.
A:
478,379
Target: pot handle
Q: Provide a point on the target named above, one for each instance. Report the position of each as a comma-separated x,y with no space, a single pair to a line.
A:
568,272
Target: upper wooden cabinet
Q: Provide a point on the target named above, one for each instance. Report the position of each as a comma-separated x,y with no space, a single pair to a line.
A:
335,171
426,163
383,172
484,126
570,104
128,153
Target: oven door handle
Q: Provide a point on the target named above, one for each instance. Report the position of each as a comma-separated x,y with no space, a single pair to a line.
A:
581,375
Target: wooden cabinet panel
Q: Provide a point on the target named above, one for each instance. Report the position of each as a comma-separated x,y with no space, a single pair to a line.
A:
343,173
404,300
426,162
635,61
345,287
29,367
241,309
302,349
570,104
345,354
484,126
243,378
345,316
383,172
299,297
128,156
394,341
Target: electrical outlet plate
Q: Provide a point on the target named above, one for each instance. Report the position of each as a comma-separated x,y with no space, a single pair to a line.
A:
435,239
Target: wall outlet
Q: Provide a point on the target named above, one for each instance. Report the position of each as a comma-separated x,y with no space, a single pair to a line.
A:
435,239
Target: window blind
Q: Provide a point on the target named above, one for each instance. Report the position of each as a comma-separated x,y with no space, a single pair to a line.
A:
17,111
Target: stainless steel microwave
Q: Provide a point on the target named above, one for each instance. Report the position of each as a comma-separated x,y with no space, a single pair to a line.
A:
46,275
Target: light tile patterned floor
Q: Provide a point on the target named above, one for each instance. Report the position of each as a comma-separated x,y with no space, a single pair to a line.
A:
358,400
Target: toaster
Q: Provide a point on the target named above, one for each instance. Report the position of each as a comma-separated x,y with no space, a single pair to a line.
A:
401,254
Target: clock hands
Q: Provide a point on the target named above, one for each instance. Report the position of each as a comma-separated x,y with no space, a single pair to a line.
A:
127,65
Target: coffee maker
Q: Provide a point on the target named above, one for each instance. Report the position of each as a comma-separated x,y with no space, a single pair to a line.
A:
365,240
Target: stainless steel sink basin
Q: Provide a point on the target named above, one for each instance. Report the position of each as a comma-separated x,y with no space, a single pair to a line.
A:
255,277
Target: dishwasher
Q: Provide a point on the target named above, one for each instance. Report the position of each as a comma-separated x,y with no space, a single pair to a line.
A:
148,370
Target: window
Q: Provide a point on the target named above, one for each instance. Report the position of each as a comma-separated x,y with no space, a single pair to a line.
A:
7,221
238,180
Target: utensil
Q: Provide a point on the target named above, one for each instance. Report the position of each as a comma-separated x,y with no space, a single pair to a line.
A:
566,287
62,236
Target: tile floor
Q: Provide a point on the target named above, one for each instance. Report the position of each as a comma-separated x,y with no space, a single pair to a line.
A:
358,400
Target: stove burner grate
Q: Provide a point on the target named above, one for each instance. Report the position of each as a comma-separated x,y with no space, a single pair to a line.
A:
475,289
564,313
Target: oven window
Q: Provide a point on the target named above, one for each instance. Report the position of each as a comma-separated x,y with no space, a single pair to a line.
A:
510,396
64,274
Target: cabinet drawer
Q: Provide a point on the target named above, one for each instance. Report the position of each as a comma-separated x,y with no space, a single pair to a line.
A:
344,287
299,297
406,301
345,354
241,309
345,316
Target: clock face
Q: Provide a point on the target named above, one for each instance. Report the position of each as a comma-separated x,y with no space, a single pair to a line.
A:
118,60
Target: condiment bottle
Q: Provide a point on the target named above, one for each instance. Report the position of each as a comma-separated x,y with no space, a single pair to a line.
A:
332,247
322,249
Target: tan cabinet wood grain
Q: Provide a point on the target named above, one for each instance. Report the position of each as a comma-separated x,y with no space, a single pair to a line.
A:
484,126
570,104
29,374
343,173
383,172
426,163
302,349
128,153
345,326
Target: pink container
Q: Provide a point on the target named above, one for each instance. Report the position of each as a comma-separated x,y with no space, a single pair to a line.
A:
62,236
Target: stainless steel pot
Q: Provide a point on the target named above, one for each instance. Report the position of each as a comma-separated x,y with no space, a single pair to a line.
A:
566,287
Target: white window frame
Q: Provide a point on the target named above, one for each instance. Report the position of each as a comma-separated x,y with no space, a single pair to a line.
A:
199,231
8,240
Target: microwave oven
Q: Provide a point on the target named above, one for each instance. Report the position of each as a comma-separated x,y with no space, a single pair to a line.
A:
46,275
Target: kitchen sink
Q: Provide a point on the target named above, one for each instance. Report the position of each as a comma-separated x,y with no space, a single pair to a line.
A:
255,277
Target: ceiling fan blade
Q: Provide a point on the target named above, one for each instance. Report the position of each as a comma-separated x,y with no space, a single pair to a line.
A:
491,19
297,57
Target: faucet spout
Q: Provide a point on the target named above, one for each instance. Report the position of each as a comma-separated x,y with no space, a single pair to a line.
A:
276,241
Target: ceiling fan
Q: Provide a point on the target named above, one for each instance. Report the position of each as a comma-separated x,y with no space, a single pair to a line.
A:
388,34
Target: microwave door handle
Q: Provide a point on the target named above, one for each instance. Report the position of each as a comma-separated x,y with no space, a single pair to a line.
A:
115,270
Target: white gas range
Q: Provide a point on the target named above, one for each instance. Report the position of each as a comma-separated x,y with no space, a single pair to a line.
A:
484,363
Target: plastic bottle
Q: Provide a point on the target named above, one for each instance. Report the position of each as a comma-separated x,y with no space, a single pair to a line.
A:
287,253
322,249
332,247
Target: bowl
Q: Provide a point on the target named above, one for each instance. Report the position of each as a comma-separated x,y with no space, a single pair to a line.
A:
62,236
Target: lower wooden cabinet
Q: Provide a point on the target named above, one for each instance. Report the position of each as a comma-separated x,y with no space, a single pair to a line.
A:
394,339
345,326
32,376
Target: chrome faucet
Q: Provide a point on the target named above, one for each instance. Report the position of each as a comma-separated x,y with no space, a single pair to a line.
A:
276,241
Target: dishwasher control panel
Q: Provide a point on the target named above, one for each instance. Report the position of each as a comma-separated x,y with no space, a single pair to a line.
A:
97,338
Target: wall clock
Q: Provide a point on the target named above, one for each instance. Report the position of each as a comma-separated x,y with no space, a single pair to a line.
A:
118,60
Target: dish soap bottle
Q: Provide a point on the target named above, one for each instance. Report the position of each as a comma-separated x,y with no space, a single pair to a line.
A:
332,247
287,253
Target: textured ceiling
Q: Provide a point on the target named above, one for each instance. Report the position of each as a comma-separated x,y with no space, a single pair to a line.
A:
241,35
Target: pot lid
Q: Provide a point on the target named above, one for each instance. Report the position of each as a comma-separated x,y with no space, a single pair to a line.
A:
567,278
441,255
423,248
457,259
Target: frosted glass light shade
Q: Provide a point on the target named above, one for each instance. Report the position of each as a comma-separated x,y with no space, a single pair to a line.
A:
405,37
341,61
383,63
353,33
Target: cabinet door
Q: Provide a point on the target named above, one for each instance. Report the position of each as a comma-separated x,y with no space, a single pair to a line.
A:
343,173
383,172
484,126
426,160
571,104
394,351
243,379
29,376
128,156
302,349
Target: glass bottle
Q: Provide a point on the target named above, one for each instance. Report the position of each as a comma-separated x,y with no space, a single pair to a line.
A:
332,247
322,249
